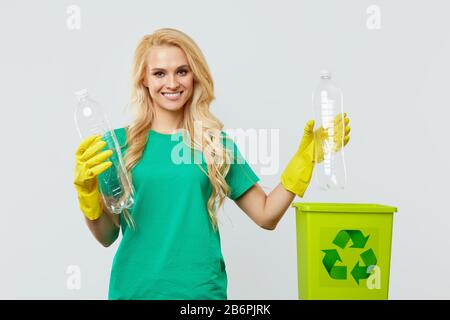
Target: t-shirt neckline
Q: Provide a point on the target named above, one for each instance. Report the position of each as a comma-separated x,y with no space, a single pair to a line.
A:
165,134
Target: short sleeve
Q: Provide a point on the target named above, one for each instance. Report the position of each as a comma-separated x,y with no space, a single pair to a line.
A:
240,176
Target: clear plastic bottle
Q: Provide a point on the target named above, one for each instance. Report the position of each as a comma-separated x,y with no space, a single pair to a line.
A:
329,134
115,187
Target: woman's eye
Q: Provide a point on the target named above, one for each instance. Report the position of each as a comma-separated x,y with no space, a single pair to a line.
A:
184,72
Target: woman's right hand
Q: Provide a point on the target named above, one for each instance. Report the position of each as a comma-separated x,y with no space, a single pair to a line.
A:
89,164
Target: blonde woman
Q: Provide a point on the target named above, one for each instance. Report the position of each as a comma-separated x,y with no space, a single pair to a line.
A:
182,166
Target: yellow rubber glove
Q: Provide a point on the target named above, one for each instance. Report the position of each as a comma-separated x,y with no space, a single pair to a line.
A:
336,143
297,174
89,164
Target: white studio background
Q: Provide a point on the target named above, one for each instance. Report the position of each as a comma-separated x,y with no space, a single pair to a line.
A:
265,58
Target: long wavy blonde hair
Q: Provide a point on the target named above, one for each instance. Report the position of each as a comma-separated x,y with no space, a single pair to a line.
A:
208,140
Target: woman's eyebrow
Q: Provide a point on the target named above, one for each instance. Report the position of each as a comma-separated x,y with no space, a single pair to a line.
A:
161,69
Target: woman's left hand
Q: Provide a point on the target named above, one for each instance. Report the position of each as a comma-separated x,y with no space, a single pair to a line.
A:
297,174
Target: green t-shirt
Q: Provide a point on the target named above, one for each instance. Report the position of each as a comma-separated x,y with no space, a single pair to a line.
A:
174,253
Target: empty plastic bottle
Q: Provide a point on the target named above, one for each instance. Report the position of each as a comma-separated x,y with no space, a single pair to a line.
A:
329,134
114,184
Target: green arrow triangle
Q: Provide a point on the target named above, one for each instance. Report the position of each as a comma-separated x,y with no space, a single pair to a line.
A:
358,239
369,257
359,273
330,259
341,239
339,272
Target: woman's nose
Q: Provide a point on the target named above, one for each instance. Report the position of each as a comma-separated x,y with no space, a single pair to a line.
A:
172,83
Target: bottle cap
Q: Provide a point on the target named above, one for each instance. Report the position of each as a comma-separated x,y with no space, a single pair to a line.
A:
81,94
325,74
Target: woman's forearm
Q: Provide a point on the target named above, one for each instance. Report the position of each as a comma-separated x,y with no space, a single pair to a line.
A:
104,229
277,202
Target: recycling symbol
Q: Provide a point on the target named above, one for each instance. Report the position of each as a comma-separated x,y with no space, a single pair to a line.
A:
332,256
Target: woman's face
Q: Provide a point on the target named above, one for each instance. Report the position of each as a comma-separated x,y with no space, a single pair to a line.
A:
168,77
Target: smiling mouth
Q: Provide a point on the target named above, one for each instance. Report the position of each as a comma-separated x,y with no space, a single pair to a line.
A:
172,94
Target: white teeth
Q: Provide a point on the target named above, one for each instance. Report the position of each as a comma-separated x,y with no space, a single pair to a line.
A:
172,94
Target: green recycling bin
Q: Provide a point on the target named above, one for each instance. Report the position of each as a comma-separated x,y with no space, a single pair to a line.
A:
343,250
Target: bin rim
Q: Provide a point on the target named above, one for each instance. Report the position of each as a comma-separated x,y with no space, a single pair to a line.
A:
343,207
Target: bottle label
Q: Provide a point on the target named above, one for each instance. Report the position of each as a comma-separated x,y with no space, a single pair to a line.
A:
327,108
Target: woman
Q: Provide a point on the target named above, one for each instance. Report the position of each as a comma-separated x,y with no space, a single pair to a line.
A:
170,247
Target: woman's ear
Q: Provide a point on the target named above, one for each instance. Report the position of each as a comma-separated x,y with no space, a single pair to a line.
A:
144,82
